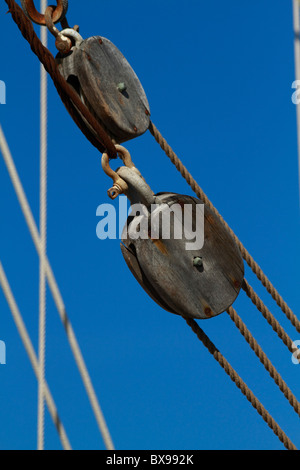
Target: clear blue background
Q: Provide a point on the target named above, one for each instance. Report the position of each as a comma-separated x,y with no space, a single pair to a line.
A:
218,78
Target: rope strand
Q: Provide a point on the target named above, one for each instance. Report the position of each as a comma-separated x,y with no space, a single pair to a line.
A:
32,357
201,195
55,293
43,238
240,384
268,316
264,360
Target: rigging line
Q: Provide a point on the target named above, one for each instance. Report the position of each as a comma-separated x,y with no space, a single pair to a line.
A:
32,356
296,25
201,195
264,360
240,384
43,241
268,316
56,293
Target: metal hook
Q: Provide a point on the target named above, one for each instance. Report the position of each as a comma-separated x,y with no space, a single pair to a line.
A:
127,179
119,186
59,11
73,34
125,156
62,43
63,38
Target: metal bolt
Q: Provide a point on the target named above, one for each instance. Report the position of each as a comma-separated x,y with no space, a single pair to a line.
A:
208,312
63,44
121,87
198,262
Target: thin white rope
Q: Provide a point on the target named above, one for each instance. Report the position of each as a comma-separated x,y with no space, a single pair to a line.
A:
43,242
296,21
56,293
32,356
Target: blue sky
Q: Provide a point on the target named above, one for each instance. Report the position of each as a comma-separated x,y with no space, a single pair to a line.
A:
218,79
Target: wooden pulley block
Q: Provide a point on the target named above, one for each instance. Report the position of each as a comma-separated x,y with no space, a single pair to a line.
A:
108,86
198,280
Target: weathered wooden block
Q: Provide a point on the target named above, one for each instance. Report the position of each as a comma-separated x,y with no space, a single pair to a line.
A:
198,283
109,87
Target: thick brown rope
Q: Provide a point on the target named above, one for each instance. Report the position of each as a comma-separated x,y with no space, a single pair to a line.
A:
240,384
264,360
67,94
268,316
201,195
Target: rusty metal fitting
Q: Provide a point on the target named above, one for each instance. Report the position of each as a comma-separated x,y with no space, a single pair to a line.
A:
66,37
119,185
63,44
49,20
59,11
72,34
118,188
125,156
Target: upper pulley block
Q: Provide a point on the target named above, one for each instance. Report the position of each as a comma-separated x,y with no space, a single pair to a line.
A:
108,86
